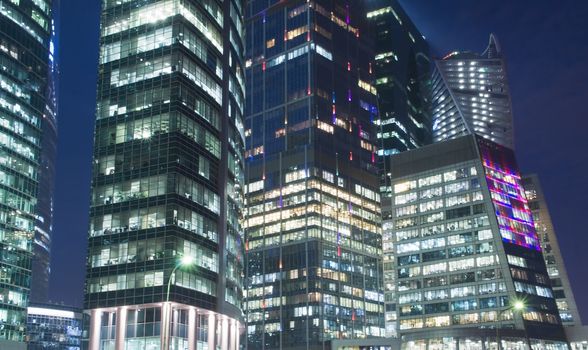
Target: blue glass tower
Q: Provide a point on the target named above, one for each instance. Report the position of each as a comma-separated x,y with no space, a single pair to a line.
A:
26,123
313,235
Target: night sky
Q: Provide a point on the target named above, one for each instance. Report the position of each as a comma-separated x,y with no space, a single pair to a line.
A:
546,47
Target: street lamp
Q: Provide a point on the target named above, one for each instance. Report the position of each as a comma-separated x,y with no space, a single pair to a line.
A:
517,305
185,261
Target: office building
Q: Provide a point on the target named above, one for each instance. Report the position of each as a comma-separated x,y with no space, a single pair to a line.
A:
462,259
313,234
401,73
41,268
165,260
25,110
54,327
471,95
556,269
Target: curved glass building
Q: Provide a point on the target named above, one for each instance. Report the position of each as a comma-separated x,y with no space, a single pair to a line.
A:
25,110
165,246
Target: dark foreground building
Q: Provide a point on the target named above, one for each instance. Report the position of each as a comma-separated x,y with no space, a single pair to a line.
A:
463,262
401,73
26,111
165,246
313,206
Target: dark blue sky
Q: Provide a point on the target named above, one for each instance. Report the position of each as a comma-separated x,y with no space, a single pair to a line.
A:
547,52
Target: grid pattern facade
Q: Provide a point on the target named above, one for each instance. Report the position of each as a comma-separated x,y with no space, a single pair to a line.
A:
25,32
460,245
470,95
313,235
168,164
562,289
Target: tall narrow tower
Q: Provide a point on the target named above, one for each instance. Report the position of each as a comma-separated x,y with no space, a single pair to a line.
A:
165,246
25,113
471,96
313,218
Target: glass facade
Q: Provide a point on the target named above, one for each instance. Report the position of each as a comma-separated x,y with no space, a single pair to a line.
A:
470,95
168,176
460,245
54,327
44,222
562,290
401,73
313,234
25,107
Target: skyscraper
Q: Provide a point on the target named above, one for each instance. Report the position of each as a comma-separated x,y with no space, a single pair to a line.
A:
41,268
401,73
556,269
313,234
470,95
462,259
25,111
165,257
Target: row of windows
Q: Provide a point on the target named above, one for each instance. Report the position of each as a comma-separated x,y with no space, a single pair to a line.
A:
148,69
161,10
149,279
445,307
147,127
153,217
435,230
436,191
446,321
439,204
451,266
453,279
455,225
455,252
155,186
150,249
431,180
24,22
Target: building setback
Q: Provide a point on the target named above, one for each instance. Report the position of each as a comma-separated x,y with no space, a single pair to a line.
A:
471,95
167,177
460,251
25,113
556,269
313,234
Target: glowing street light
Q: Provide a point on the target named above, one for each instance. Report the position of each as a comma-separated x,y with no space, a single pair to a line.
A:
518,306
184,261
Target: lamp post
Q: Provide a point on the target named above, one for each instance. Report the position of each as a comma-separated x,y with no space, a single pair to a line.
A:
185,261
518,305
